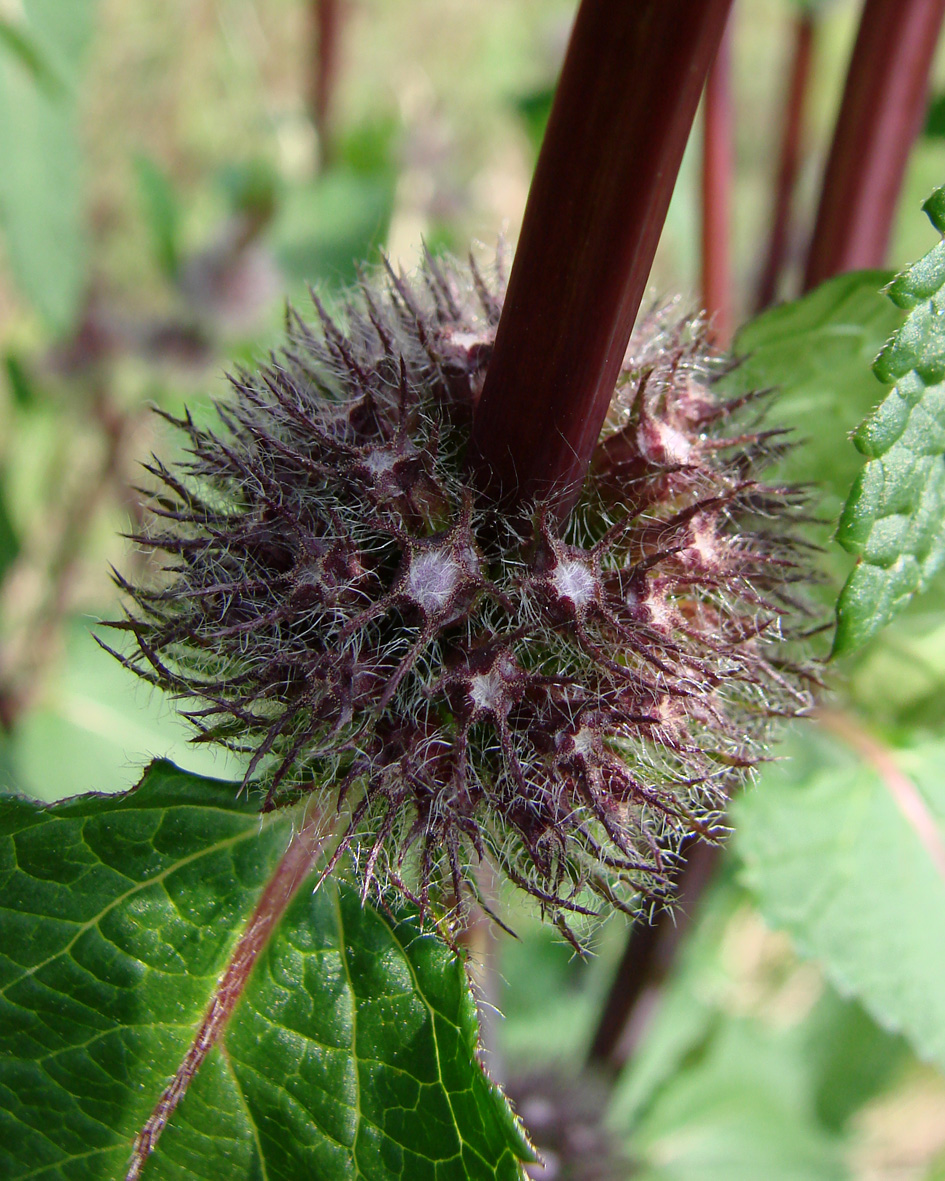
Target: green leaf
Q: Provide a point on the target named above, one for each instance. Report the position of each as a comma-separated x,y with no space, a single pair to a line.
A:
849,1057
41,208
898,680
162,213
817,352
848,857
9,542
710,1093
97,724
352,1052
935,118
740,1112
894,519
533,108
20,382
323,230
16,40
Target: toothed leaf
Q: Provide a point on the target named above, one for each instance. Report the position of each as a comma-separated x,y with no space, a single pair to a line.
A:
894,519
352,1052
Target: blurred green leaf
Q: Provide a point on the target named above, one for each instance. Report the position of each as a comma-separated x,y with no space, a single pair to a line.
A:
16,40
550,998
741,1111
848,857
250,187
817,352
162,212
19,381
41,206
533,109
898,680
351,1053
96,726
324,230
935,118
9,542
368,148
894,518
840,1057
849,1057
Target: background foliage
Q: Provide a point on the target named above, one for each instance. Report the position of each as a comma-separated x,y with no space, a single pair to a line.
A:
161,191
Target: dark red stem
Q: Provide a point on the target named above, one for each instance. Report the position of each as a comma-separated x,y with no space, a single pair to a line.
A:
718,155
622,113
326,21
880,116
789,159
647,959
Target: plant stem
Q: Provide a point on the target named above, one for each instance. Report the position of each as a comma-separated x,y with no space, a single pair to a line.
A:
622,113
717,172
880,116
326,17
789,158
646,961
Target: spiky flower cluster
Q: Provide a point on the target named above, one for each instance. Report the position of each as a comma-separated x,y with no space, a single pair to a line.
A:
567,701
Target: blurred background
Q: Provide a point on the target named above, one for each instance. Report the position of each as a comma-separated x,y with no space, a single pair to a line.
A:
171,171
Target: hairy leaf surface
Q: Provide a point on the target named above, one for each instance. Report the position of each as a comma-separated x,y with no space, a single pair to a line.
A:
845,850
352,1052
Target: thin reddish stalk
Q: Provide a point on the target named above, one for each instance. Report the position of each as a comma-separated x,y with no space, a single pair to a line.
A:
789,159
880,116
326,20
718,158
291,872
622,113
905,794
647,958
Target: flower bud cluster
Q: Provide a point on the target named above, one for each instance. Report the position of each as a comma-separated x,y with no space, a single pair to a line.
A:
568,700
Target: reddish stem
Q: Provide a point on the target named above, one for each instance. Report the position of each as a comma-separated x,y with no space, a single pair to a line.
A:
291,872
880,116
621,116
718,156
789,160
326,21
647,959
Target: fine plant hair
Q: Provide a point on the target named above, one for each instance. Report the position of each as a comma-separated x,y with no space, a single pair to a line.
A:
567,699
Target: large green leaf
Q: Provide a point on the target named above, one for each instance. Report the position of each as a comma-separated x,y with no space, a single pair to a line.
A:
41,207
352,1052
846,852
742,1110
708,1093
894,519
817,353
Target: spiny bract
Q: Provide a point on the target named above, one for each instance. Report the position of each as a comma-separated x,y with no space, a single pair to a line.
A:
567,701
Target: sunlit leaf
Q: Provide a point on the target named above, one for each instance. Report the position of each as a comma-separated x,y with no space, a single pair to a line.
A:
352,1052
844,849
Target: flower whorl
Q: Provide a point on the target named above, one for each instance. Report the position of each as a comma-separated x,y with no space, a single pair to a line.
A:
567,700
